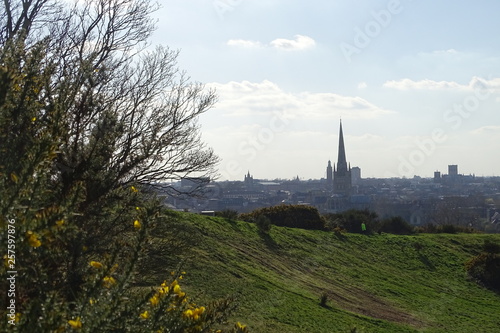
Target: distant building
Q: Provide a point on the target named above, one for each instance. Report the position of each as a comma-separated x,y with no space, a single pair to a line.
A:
248,180
329,176
355,175
342,181
437,176
453,170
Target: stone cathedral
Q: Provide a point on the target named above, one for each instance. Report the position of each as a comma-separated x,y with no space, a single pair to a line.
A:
339,177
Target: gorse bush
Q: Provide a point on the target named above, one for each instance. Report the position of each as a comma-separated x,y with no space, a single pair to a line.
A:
352,220
103,297
292,216
263,223
485,267
228,214
491,247
395,225
86,124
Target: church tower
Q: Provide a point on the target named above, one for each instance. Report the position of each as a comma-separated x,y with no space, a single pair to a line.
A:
329,176
342,183
248,180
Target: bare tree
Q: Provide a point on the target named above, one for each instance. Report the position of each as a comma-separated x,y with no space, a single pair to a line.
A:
126,113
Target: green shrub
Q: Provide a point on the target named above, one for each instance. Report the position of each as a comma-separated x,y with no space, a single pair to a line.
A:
444,229
263,223
396,225
292,216
485,268
447,229
338,231
352,220
491,247
323,299
228,214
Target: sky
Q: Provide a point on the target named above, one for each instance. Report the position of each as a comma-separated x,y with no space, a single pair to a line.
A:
415,83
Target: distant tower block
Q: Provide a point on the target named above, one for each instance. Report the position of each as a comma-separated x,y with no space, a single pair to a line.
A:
355,175
437,176
453,170
342,183
329,175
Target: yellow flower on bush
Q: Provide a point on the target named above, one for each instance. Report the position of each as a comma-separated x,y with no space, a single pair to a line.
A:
137,225
33,239
194,314
177,289
155,300
75,324
133,189
188,314
144,315
108,281
14,177
114,268
240,327
6,260
163,288
200,310
96,264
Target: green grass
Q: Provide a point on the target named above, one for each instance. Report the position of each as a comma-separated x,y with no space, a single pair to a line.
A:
379,283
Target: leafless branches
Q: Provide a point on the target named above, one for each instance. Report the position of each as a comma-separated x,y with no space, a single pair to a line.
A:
127,114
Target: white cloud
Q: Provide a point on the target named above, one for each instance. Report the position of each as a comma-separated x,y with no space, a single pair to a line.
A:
244,43
250,98
474,83
440,53
408,84
487,130
299,43
362,85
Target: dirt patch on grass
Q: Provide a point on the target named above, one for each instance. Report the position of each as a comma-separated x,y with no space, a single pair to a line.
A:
349,298
360,301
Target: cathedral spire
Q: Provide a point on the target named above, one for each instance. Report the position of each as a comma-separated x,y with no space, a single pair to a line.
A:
341,161
342,183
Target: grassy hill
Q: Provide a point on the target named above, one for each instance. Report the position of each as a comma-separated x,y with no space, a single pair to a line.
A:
379,283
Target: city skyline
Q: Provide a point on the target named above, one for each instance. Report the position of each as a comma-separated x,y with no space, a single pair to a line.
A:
417,84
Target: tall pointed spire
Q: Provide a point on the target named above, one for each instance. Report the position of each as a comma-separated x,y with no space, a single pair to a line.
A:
341,161
342,183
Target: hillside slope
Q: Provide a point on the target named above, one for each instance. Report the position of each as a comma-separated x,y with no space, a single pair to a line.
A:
379,283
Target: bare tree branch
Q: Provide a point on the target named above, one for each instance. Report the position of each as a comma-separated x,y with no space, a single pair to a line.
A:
129,114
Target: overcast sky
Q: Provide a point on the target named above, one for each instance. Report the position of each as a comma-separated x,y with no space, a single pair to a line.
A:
416,83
